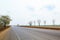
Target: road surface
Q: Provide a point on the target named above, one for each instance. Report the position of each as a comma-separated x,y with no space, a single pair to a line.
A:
21,33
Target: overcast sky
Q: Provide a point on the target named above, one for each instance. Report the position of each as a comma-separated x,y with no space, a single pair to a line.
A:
23,11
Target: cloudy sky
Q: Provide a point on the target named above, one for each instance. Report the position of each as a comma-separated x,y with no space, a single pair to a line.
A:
23,11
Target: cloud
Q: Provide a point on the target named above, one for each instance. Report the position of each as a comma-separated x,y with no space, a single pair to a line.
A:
30,8
50,7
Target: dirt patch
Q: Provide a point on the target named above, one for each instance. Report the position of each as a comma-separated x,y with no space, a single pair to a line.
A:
2,29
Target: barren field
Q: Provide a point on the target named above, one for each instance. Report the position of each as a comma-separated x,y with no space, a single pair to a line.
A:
44,27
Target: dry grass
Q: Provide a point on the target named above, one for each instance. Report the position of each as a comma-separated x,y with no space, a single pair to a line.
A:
44,27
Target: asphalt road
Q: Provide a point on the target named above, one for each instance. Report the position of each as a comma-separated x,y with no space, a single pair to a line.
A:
21,33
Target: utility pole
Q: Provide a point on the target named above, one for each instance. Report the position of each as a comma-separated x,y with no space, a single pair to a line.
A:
53,22
39,22
44,22
30,23
34,23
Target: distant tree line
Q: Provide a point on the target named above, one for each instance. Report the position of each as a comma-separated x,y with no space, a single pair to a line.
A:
39,22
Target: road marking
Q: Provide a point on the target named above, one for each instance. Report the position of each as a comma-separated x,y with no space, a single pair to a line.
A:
16,35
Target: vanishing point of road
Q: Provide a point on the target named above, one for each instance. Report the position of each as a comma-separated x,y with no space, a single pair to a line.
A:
21,33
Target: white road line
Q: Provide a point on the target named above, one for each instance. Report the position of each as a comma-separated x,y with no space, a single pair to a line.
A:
17,36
